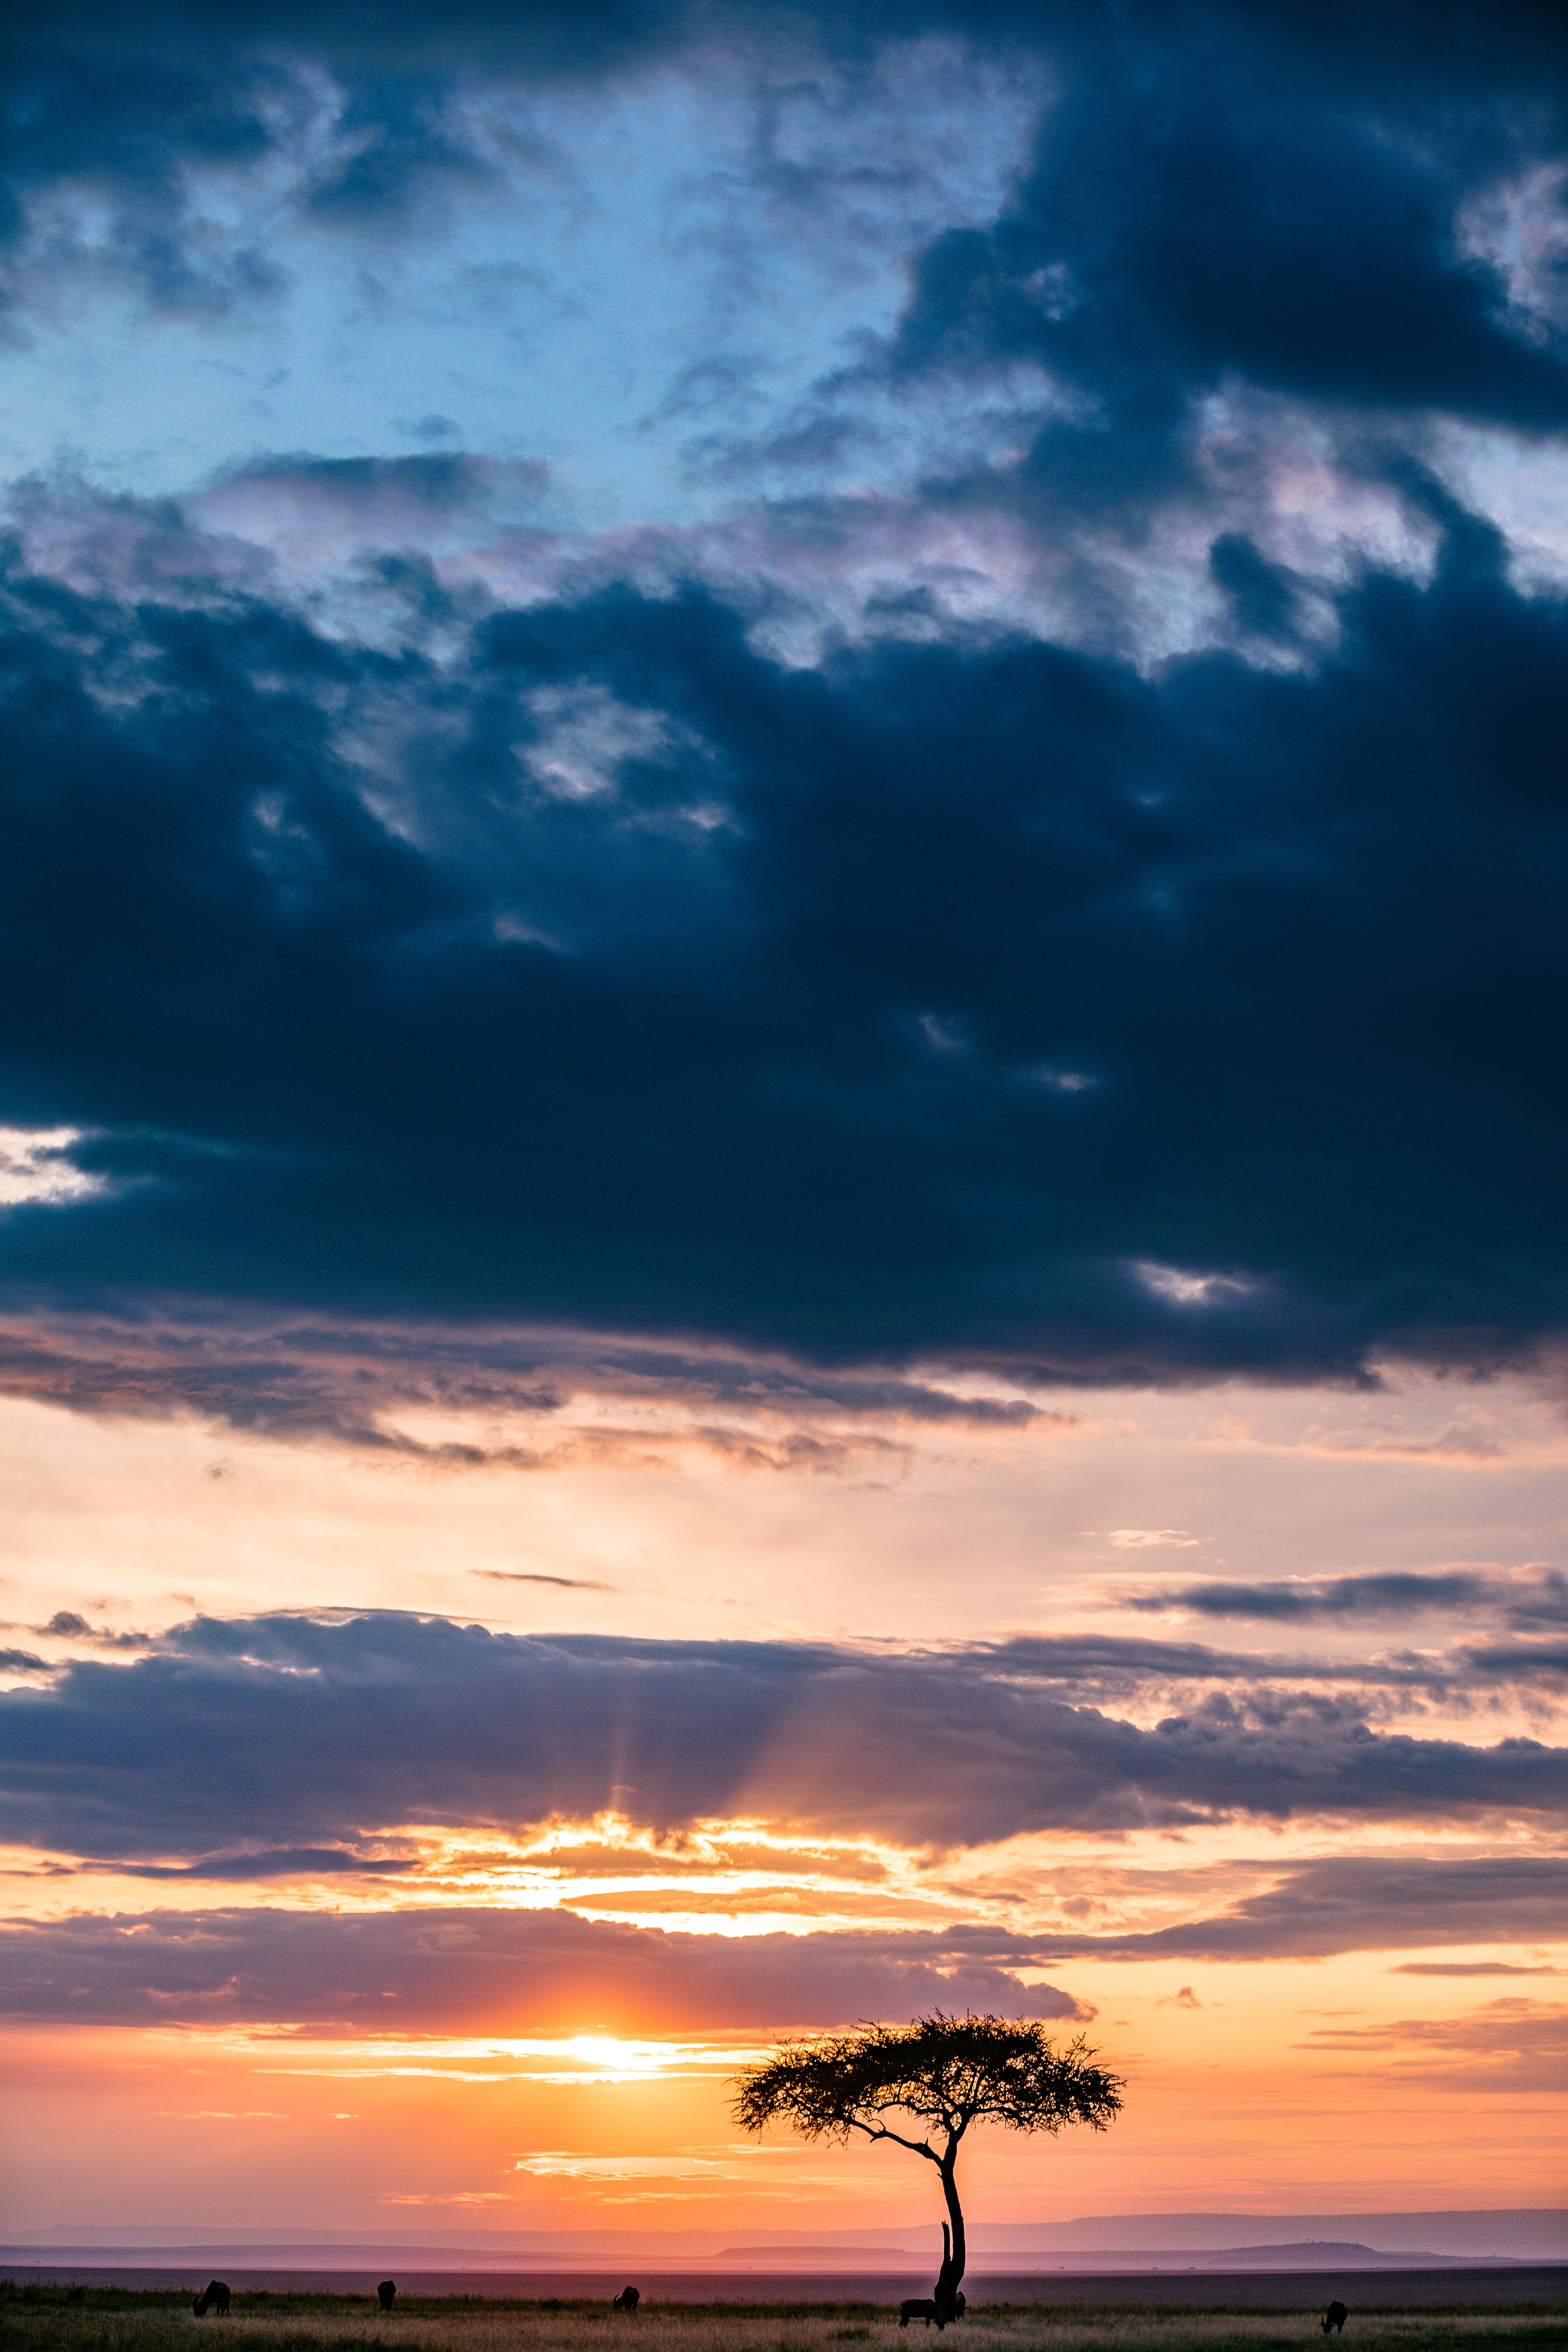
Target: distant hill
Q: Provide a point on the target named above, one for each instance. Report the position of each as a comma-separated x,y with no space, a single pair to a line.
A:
1113,2241
1303,2253
1520,2233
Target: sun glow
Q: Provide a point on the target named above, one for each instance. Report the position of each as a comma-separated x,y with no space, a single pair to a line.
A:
569,2059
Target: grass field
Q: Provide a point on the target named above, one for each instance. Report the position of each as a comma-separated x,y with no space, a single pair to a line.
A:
113,2319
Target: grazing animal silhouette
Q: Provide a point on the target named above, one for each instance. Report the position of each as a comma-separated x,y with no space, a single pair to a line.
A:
213,2297
627,2299
387,2291
1335,2317
920,2306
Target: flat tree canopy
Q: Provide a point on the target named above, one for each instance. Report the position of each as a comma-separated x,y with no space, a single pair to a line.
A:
921,2086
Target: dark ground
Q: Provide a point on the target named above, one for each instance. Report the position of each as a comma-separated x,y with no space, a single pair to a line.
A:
1382,2290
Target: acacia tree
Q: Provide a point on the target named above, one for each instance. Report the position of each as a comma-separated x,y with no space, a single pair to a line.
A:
935,2077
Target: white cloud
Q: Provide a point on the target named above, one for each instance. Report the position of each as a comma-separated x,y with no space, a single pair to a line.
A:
1187,1289
33,1166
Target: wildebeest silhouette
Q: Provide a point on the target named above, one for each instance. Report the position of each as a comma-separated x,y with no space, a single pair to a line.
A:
920,2306
213,2297
627,2299
1335,2317
387,2291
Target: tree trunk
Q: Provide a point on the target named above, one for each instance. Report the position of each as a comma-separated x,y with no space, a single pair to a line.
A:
951,2276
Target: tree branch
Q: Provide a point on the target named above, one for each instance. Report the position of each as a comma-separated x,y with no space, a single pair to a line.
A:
880,2131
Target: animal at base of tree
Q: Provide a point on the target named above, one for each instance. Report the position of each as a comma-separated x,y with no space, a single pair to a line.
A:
1335,2317
627,2299
213,2297
387,2292
928,2307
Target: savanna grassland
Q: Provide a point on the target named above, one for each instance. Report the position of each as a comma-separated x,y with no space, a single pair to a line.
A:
111,2319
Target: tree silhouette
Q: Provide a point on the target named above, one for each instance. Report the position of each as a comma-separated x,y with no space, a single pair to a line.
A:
942,2073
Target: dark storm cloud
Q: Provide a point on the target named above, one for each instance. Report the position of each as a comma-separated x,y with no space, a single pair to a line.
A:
1548,1661
127,130
1356,1902
347,124
344,1383
68,1624
258,1733
607,971
969,998
95,107
1219,191
1261,596
1211,221
485,1970
295,1861
1240,205
399,144
1526,1602
321,116
498,1970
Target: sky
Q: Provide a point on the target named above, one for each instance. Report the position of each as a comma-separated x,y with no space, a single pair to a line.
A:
781,844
